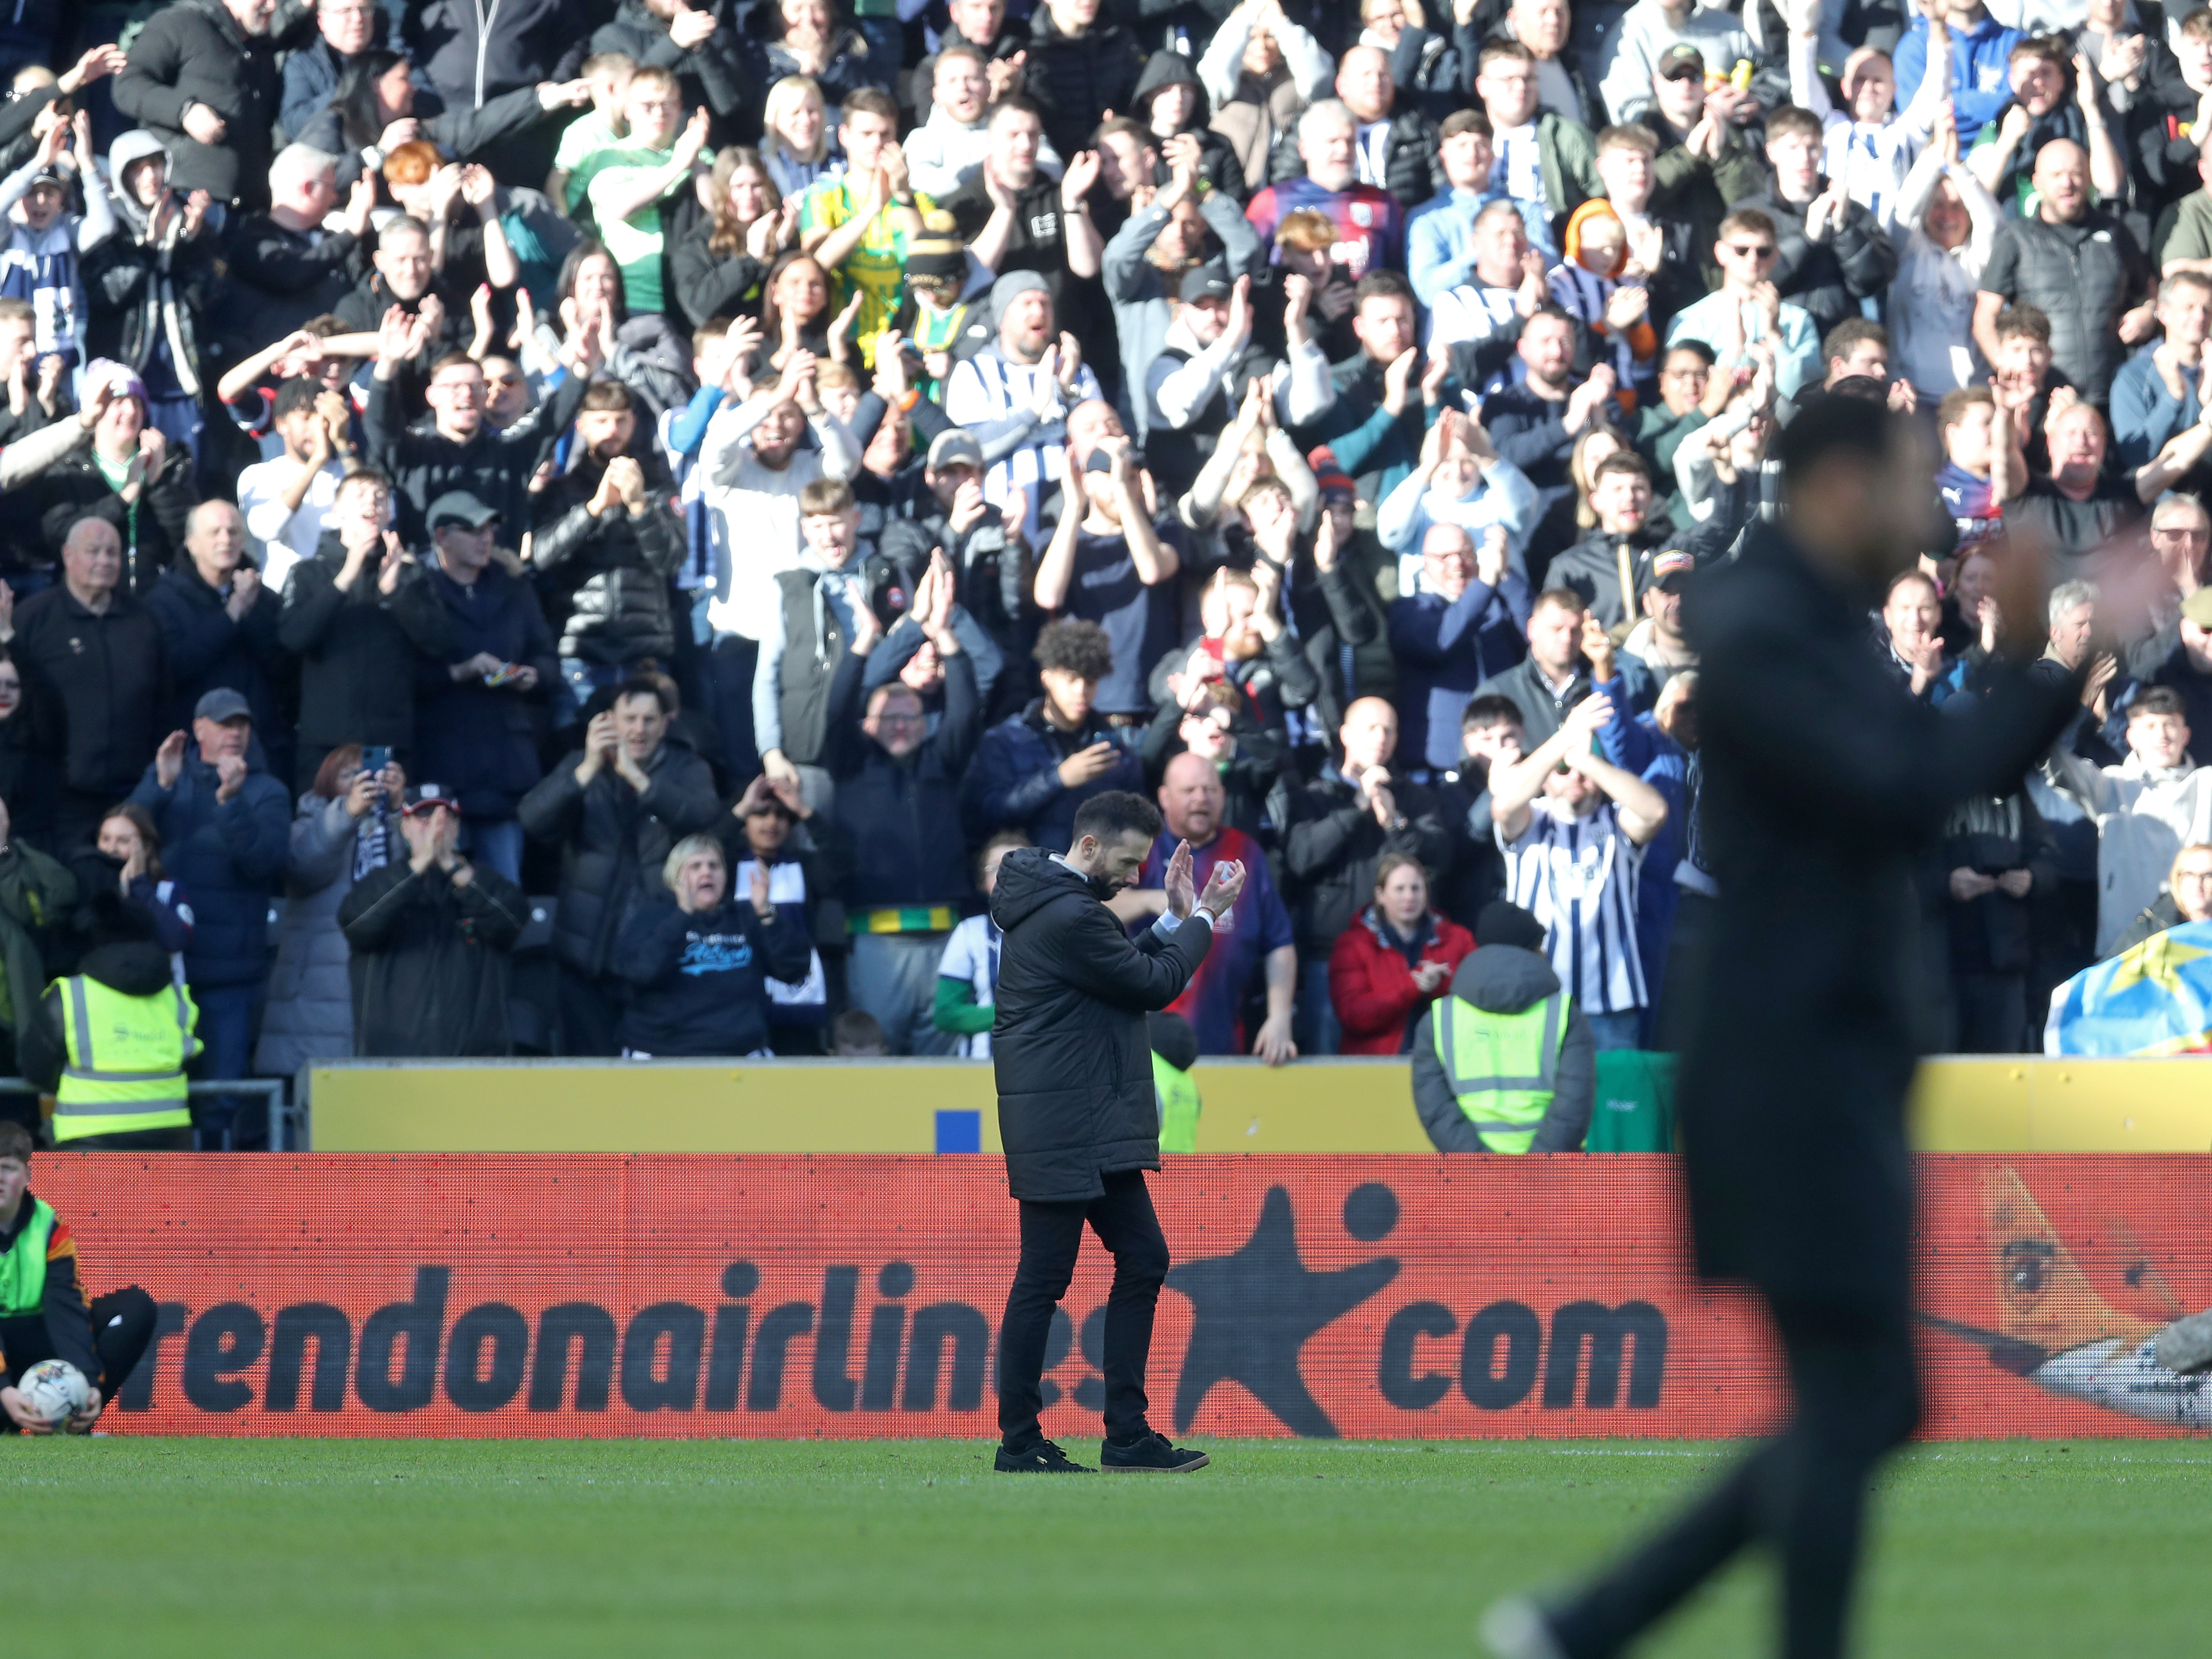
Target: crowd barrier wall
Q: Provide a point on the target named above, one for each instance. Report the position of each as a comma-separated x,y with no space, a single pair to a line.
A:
857,1296
2015,1103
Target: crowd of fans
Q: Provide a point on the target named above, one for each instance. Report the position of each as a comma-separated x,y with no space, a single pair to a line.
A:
734,471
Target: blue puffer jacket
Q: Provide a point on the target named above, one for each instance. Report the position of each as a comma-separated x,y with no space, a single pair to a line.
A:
229,857
1014,783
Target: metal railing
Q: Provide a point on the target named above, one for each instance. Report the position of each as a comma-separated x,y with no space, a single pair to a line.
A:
286,1120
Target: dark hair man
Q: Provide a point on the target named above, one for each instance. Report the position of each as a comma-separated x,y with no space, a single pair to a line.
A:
1812,1202
1076,1111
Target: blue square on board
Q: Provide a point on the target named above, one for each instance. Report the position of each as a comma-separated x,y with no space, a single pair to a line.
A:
960,1132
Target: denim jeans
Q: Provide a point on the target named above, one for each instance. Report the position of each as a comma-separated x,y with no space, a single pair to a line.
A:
227,1016
496,843
1622,1030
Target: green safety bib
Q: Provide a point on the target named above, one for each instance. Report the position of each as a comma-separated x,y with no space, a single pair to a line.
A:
126,1060
1177,1093
1502,1067
23,1269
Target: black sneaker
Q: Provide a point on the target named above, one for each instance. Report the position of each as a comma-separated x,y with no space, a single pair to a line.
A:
1151,1453
1043,1458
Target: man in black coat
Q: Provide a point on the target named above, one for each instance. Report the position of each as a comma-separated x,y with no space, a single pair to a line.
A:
95,654
201,78
219,624
358,614
1076,1111
615,808
1824,783
430,938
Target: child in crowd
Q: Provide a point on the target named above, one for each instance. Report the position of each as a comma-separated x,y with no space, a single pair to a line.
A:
39,257
601,128
630,183
1967,422
796,142
968,977
1598,285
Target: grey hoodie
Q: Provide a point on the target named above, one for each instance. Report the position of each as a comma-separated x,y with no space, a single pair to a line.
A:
1505,979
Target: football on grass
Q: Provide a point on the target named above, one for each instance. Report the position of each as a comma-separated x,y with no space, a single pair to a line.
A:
54,1389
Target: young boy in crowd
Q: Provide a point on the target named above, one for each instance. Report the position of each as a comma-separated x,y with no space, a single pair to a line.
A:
1601,287
628,183
601,129
968,977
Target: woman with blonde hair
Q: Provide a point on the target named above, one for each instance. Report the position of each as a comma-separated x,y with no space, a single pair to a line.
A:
698,962
797,144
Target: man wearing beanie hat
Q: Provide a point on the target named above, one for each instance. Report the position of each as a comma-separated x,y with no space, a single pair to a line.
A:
1506,1062
1013,396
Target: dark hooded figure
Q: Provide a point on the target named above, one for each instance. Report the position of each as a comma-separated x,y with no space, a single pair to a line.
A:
1170,102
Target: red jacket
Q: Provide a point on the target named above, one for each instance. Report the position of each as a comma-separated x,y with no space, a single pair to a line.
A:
1371,983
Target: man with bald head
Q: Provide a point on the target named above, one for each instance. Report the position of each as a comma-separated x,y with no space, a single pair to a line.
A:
1463,626
2079,266
1253,941
100,660
219,624
1395,147
1335,831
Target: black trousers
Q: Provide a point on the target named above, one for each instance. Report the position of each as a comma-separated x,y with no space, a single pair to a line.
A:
1857,1391
1051,1234
122,1327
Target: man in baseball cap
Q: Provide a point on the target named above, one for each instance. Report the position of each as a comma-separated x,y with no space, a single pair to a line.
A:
461,507
1656,640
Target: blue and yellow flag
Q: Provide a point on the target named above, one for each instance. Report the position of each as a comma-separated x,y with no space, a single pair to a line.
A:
2154,1000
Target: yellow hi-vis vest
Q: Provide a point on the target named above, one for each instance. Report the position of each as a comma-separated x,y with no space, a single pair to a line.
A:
23,1269
1501,1066
1179,1106
126,1060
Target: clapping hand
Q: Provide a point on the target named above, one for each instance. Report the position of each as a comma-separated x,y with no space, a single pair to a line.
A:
169,760
1181,893
397,558
1222,888
756,889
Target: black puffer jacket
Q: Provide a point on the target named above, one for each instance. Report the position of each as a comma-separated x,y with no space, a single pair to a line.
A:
194,52
430,960
712,73
1076,78
2082,275
609,574
1068,1045
613,841
1827,279
1332,844
902,817
473,52
357,648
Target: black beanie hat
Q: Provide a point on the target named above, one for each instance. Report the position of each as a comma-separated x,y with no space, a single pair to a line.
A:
1172,1039
1503,922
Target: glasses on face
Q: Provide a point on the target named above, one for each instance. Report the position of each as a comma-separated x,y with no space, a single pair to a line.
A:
2180,532
886,718
1695,372
1752,250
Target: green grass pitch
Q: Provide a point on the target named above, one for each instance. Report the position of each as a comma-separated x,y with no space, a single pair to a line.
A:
915,1549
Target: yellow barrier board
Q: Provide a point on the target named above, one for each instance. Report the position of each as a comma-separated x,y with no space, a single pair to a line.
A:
2025,1104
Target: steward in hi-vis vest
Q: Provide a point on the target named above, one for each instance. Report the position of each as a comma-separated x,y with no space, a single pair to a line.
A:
43,1314
1175,1051
112,1041
1505,1063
